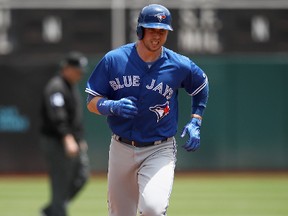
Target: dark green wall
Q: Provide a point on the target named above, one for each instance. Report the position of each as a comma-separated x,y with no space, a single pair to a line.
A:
245,124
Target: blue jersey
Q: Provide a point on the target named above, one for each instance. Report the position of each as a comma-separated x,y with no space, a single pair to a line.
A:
122,73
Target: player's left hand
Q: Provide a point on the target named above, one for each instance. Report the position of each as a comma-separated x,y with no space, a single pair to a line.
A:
193,130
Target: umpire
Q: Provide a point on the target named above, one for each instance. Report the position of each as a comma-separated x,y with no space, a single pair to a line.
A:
63,138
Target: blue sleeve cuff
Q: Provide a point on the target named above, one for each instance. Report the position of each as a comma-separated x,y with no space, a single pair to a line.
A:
104,106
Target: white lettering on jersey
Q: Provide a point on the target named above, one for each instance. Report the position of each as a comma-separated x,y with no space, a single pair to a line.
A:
136,81
120,86
168,92
127,82
151,85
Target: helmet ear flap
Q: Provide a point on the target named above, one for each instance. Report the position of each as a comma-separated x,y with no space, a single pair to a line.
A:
140,32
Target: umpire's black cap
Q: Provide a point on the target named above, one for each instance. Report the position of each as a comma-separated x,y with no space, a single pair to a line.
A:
75,59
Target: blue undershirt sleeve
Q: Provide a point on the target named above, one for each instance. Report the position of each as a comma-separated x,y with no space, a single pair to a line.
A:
199,101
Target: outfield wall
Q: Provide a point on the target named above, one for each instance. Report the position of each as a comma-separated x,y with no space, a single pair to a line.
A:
245,125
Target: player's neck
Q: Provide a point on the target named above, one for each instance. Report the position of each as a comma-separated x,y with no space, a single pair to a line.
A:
147,55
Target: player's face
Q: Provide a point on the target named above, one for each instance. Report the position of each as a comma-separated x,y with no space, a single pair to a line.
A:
154,38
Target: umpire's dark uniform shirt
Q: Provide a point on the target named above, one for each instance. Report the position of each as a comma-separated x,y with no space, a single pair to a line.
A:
62,109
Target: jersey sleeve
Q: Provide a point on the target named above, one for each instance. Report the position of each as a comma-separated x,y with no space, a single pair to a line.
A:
98,82
195,81
197,85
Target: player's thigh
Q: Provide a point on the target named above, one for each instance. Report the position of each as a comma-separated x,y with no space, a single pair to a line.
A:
122,180
155,181
121,162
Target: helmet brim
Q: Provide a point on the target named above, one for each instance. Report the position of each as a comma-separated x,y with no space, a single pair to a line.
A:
156,26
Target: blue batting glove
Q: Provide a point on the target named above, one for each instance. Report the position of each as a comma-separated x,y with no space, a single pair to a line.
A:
124,107
193,129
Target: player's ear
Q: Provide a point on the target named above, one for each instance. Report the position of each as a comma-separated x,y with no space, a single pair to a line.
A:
140,32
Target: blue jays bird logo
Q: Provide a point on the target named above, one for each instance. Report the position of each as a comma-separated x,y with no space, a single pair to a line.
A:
160,16
161,110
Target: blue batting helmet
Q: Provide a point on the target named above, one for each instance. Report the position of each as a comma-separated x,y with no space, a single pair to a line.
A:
153,16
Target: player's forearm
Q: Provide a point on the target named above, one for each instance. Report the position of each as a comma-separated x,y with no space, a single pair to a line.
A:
92,105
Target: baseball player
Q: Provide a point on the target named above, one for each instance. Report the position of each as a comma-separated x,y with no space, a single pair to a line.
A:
136,87
63,137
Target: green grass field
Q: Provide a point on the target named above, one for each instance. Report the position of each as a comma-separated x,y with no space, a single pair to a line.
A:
198,194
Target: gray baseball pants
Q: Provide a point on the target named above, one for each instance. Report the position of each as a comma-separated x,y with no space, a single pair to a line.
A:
140,179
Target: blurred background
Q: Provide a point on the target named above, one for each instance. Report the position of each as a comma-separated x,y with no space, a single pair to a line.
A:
242,45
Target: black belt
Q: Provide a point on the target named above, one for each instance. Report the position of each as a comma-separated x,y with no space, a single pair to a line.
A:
140,144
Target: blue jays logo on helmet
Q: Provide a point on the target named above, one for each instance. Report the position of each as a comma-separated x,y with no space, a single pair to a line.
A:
154,16
160,16
160,110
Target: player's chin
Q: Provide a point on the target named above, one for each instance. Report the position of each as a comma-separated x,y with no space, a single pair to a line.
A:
155,48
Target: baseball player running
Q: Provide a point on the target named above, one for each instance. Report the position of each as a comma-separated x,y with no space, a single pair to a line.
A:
136,87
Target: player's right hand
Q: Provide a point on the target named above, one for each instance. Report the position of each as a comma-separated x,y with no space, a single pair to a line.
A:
125,107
